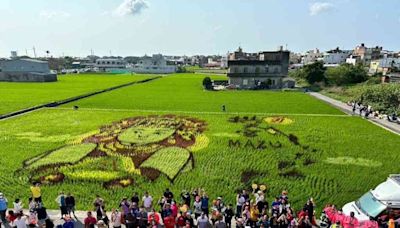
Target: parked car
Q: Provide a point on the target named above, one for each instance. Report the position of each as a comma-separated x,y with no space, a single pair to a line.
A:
379,203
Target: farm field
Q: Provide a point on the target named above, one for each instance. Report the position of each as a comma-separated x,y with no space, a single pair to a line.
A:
171,133
184,92
16,96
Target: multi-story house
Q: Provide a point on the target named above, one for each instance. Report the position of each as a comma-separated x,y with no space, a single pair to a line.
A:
251,70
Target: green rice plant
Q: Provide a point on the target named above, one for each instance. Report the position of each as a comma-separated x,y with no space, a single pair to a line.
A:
353,161
145,135
68,154
168,161
201,142
96,175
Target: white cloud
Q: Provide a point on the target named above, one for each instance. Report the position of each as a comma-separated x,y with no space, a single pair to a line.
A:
131,7
217,28
320,7
50,14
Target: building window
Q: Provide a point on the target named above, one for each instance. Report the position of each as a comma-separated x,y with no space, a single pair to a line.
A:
245,70
236,70
245,82
257,70
266,69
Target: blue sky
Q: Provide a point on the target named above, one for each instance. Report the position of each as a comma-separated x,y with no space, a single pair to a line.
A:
137,27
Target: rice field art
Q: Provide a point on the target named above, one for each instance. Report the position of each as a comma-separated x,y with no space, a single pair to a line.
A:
147,146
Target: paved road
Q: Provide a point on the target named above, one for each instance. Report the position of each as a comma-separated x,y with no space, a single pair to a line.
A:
393,127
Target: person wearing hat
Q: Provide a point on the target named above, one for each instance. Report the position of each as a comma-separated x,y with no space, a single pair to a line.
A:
3,207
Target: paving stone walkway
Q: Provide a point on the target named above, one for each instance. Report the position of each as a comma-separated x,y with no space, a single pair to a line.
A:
393,127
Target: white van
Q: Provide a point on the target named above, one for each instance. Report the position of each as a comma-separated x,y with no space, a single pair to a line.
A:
380,202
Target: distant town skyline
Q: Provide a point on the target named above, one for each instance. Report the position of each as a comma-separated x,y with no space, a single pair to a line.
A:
182,27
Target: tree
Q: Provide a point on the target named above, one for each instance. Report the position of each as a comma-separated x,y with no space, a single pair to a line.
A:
346,74
207,83
315,72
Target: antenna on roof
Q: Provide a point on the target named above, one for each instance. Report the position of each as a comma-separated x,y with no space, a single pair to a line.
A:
34,52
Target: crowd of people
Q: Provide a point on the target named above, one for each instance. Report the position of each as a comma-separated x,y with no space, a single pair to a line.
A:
185,210
367,111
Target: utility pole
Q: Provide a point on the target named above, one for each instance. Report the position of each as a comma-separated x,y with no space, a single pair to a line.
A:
26,52
34,52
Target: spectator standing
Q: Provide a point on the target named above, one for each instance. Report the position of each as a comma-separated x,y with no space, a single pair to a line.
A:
11,217
21,221
90,221
240,200
124,205
143,218
202,221
36,192
185,195
116,218
18,206
147,201
204,204
68,223
351,221
62,203
169,222
371,223
168,195
197,207
70,203
99,206
228,214
135,198
3,207
220,223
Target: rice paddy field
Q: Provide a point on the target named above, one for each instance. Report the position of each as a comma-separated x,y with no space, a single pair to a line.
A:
170,133
16,96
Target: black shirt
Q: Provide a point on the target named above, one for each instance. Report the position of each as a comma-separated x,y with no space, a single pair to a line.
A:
70,201
135,199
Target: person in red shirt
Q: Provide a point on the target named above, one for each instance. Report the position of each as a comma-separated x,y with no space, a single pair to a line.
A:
371,223
90,221
169,222
11,217
350,221
153,218
339,217
181,221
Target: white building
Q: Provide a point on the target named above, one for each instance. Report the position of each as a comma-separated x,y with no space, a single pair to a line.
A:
336,56
312,56
108,64
354,59
153,65
26,70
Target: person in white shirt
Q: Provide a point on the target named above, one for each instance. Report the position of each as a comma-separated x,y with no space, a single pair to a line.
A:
18,206
116,218
21,221
147,201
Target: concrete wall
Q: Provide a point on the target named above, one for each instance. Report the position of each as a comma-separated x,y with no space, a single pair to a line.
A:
27,77
23,65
